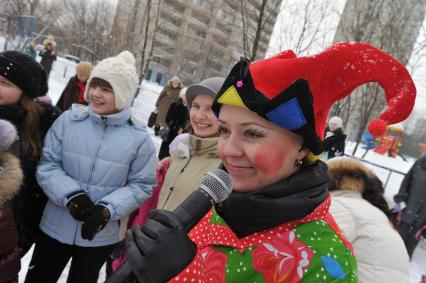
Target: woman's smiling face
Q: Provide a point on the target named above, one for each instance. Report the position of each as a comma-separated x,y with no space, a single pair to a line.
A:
256,152
203,121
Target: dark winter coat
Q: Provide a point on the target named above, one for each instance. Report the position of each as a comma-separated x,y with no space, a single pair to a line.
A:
168,95
47,58
10,180
413,193
73,93
334,145
28,204
177,118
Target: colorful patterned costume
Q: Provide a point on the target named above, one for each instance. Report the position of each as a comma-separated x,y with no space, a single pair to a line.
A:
293,252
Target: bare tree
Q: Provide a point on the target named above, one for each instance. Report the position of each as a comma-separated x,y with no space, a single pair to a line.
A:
390,25
255,15
84,28
44,13
305,26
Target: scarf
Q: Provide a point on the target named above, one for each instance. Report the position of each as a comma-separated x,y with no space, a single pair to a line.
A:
287,200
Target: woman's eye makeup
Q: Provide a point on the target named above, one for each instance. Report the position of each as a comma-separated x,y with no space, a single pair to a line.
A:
223,130
254,133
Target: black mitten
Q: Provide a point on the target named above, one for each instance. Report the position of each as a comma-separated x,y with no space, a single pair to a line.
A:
96,221
80,207
160,249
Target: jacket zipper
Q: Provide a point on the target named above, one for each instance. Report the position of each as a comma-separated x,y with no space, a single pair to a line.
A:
104,120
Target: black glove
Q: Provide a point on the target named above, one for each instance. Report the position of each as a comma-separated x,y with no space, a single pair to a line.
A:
160,249
80,207
98,218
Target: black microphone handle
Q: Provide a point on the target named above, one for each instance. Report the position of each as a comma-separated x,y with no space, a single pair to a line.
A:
189,212
193,208
123,274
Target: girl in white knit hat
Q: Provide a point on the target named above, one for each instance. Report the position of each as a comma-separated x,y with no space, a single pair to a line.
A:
98,165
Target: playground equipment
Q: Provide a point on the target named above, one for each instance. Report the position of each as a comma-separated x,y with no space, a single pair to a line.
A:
423,147
390,142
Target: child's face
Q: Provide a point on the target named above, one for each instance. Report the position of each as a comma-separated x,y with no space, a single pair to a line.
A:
9,92
332,126
82,77
102,99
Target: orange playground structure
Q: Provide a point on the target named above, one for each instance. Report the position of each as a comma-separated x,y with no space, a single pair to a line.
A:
390,142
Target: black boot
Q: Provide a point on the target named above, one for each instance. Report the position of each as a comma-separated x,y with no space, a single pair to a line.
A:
156,129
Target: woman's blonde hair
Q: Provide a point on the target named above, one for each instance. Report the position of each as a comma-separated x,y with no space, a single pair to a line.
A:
84,68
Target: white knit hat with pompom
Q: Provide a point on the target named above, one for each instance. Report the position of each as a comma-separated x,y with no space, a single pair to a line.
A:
120,73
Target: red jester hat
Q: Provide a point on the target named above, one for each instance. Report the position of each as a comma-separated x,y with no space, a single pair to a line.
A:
297,93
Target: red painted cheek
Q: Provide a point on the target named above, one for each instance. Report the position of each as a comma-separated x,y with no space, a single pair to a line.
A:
269,160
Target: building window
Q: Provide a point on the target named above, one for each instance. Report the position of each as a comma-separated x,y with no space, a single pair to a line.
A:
187,68
173,5
226,16
205,4
192,56
162,61
168,18
216,53
220,41
226,29
167,33
194,31
232,4
199,17
213,65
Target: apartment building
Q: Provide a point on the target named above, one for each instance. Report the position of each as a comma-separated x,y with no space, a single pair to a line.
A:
195,39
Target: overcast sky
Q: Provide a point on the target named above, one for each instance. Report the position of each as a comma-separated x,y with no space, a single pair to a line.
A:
419,75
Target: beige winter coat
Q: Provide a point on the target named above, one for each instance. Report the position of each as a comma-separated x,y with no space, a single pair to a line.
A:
186,170
168,95
379,250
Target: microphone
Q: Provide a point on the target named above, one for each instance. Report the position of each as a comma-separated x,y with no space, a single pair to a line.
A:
215,187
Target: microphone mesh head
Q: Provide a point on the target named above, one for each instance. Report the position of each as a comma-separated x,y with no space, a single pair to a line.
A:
217,184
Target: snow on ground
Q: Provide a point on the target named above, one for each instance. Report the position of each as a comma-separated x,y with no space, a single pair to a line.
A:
144,104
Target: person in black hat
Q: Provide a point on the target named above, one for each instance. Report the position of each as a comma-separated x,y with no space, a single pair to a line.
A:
22,80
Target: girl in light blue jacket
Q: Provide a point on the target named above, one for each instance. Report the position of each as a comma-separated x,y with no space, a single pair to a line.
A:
98,165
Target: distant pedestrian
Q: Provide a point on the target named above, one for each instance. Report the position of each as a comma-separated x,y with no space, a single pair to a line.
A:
74,91
177,122
48,55
168,95
30,50
334,139
411,200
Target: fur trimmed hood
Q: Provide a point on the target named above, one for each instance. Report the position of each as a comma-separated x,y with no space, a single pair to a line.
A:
348,174
10,176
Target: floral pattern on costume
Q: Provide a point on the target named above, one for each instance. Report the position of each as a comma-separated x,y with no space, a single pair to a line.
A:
215,263
283,259
308,250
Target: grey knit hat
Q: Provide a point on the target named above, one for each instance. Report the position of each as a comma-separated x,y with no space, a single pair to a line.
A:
210,86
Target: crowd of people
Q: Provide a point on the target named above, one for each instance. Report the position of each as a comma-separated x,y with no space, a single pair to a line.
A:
82,181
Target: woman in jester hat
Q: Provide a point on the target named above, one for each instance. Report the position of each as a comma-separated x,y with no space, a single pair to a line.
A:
275,226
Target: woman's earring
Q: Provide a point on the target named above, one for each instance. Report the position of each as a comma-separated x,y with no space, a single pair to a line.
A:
298,163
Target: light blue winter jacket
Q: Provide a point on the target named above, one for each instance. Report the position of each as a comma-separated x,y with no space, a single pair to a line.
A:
111,158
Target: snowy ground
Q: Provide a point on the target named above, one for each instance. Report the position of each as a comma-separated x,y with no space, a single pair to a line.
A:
144,105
